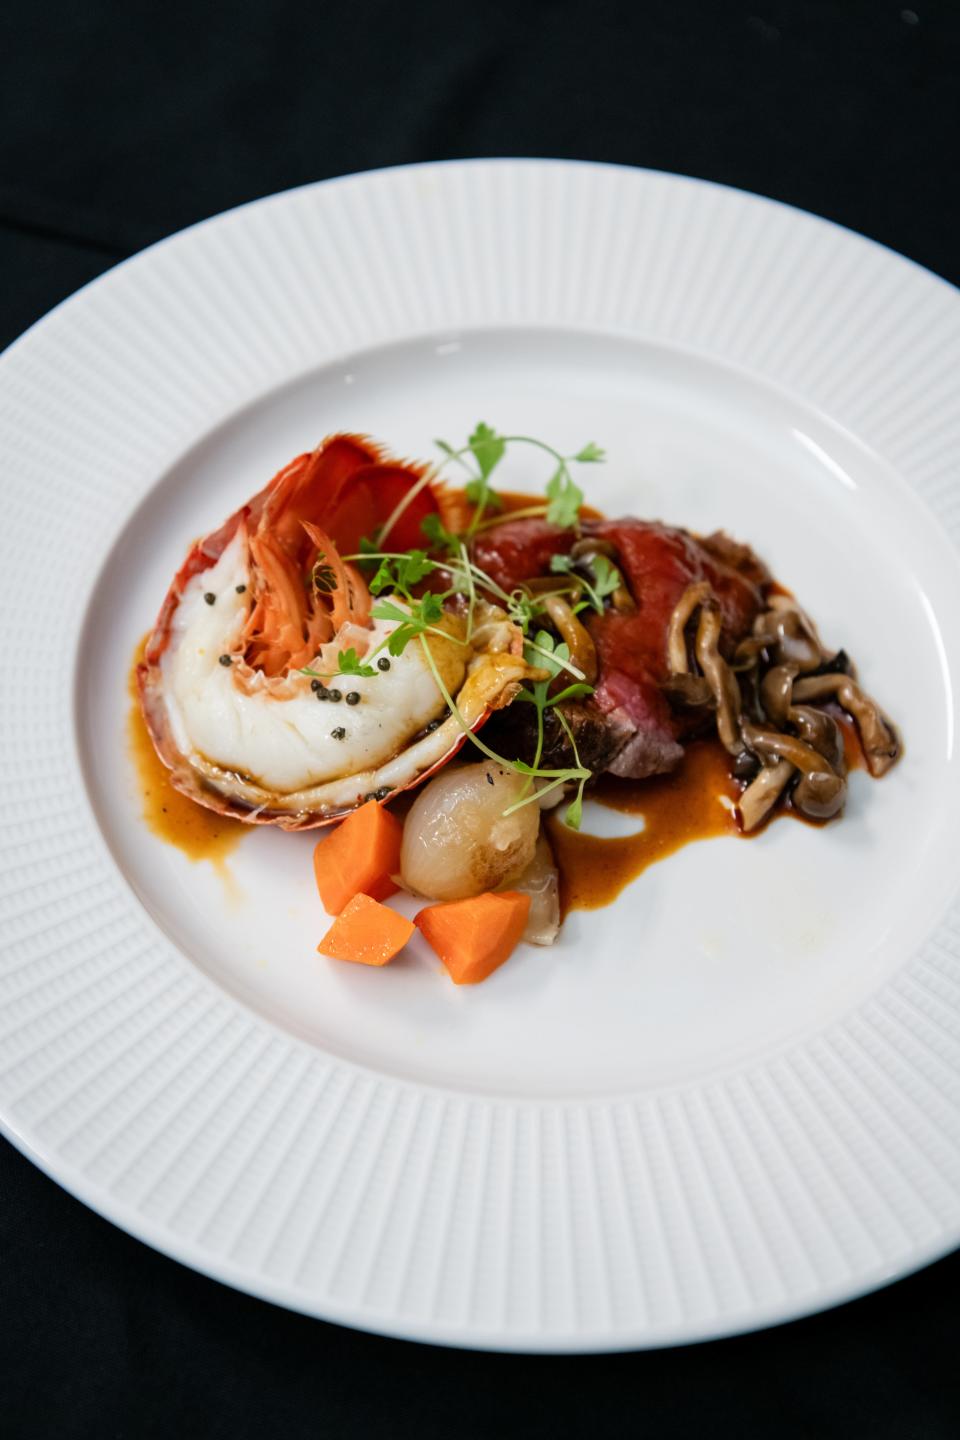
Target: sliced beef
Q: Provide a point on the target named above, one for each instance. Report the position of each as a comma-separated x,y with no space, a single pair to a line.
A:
627,726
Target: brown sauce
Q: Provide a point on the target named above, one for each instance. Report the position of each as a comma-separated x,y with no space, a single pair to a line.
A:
677,809
199,833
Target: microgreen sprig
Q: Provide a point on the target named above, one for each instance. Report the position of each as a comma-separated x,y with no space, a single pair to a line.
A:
606,579
397,573
479,457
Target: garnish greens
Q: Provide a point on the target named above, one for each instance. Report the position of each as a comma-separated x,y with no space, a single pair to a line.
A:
349,663
397,574
606,579
480,457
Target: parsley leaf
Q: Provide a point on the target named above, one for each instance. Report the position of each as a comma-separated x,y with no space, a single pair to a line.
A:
548,653
348,663
606,578
438,535
591,454
421,616
488,448
384,578
413,567
565,499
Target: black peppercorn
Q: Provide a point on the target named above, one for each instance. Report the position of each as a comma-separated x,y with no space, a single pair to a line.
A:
210,598
226,660
240,589
339,733
353,697
335,695
383,663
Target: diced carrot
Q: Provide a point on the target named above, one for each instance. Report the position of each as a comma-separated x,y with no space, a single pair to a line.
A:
367,932
473,937
359,857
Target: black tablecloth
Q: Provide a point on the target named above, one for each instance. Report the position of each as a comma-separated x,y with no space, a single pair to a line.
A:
123,122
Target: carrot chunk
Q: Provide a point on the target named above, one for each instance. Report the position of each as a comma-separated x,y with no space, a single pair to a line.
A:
473,937
358,857
366,932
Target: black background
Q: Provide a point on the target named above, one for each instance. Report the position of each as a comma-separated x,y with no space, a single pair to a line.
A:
121,122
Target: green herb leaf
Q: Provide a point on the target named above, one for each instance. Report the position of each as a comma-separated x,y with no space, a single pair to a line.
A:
591,455
574,811
523,609
606,578
572,692
547,653
413,622
447,448
439,536
385,579
481,494
386,610
565,499
413,568
488,448
348,663
429,609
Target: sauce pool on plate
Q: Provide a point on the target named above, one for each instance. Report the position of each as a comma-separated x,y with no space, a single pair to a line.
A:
200,834
686,805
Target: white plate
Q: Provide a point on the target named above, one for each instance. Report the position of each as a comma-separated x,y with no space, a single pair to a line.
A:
726,1100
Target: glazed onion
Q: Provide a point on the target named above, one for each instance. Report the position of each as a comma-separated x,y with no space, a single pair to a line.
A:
458,842
541,882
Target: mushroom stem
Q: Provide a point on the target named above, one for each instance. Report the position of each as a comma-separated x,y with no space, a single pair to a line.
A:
774,745
748,652
694,595
878,737
776,690
820,792
762,794
689,692
821,732
722,680
790,635
583,652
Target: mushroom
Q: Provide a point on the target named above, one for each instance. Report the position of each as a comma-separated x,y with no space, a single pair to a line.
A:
776,692
762,793
722,680
821,732
748,652
786,631
689,692
694,596
820,792
583,652
591,545
878,737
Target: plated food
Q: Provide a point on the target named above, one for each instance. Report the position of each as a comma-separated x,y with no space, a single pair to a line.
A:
362,626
